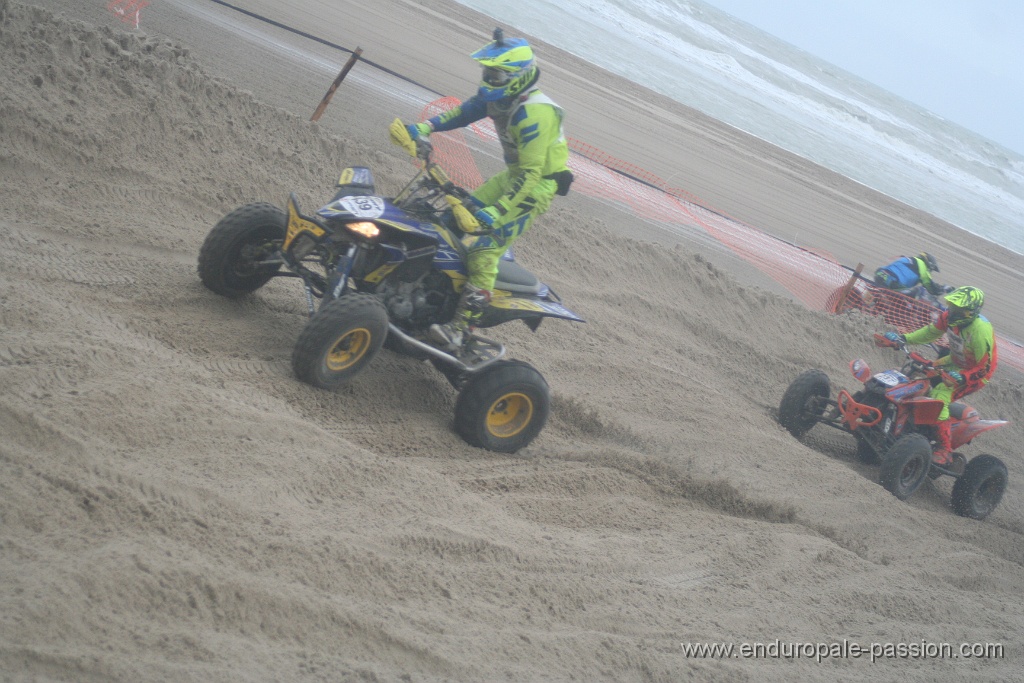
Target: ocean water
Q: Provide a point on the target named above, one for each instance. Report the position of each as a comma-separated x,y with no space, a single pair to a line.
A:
700,56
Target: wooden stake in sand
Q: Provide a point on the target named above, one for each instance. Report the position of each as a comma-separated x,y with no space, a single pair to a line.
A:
334,86
846,289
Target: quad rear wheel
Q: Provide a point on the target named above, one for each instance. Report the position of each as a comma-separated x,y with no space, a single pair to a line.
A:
804,402
340,340
230,258
503,408
906,465
978,491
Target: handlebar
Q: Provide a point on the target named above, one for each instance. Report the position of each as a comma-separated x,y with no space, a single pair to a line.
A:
917,361
918,358
421,148
919,364
914,356
464,218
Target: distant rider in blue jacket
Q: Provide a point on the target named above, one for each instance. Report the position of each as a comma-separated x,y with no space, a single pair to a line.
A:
906,272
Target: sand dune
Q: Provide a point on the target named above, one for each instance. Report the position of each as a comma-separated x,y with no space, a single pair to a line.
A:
175,506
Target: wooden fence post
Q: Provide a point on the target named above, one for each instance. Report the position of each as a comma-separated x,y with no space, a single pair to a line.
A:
334,86
846,289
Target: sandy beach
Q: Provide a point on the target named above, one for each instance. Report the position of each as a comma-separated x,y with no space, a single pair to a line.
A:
176,506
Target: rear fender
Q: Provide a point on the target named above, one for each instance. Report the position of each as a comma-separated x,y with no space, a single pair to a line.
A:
505,308
963,432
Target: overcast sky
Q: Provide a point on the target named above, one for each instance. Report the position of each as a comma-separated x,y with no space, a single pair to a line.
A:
960,59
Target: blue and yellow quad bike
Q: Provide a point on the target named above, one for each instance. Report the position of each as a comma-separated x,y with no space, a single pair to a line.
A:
384,270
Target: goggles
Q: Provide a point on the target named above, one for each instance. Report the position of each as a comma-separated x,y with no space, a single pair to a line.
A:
496,77
956,313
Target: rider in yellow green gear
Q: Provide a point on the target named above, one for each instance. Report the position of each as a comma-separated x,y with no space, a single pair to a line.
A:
529,125
972,355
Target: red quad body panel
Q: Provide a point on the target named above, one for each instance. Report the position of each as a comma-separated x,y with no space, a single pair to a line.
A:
913,406
969,425
926,410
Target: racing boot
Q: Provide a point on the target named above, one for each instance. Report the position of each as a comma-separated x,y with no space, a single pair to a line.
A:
451,336
942,454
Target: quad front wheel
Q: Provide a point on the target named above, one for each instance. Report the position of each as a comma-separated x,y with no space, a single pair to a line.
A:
234,257
906,465
978,491
503,408
865,451
340,340
804,402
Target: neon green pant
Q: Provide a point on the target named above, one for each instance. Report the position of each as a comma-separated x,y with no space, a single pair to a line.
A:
947,394
485,252
944,393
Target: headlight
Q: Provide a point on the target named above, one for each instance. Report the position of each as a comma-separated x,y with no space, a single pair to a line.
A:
364,229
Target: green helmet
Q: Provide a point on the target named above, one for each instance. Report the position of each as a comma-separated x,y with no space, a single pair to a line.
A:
964,305
509,68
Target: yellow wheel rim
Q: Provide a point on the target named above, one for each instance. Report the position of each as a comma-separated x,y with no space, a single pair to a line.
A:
509,415
349,348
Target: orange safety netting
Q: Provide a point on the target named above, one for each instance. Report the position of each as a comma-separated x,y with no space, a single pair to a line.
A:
814,278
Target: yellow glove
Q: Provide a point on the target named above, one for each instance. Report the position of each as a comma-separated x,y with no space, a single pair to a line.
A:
400,136
463,218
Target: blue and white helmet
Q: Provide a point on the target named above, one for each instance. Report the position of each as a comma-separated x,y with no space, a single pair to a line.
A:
509,68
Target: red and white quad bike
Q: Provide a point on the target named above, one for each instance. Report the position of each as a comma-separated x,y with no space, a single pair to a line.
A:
893,420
